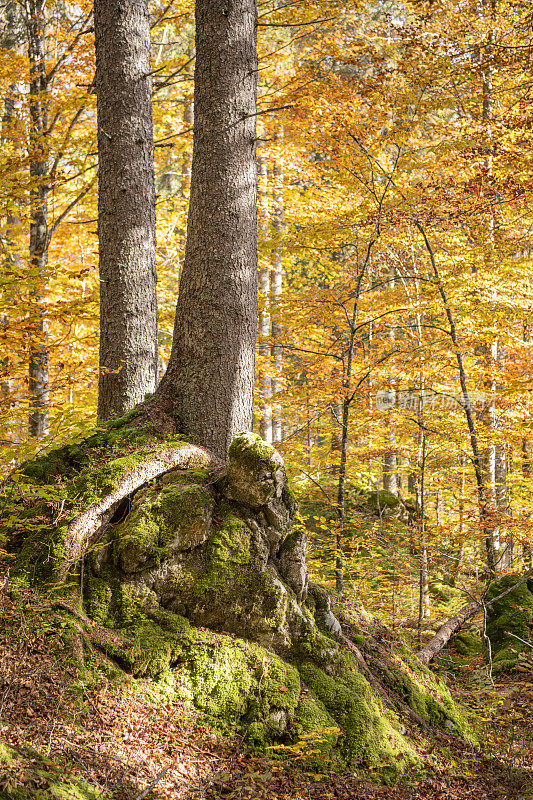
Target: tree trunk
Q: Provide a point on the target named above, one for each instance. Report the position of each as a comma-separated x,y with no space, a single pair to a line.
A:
502,508
461,532
12,38
276,296
38,367
526,473
265,381
208,386
390,461
126,206
188,122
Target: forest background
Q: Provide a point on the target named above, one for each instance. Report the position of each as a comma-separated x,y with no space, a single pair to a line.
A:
395,328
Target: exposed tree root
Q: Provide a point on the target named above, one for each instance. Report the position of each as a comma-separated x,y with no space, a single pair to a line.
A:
84,529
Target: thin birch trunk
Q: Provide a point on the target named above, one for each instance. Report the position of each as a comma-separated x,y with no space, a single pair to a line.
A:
276,294
38,367
264,377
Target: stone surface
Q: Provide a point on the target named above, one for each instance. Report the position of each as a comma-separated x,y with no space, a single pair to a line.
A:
223,556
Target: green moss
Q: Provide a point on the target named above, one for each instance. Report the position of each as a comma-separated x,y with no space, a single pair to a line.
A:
513,614
183,509
468,642
312,720
369,737
43,778
426,694
94,484
7,754
98,599
230,680
176,518
289,498
182,476
382,499
119,422
37,560
250,449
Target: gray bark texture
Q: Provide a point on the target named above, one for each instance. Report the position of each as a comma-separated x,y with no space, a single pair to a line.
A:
38,366
208,386
126,206
265,381
276,292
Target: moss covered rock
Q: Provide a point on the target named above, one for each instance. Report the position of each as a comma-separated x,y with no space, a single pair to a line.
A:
510,621
205,586
196,550
468,642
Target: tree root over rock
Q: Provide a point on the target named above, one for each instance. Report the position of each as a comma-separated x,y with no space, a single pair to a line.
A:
84,529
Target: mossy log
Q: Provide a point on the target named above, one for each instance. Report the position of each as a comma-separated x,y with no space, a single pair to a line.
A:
453,625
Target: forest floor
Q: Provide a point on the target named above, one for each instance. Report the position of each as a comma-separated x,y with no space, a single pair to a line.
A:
121,741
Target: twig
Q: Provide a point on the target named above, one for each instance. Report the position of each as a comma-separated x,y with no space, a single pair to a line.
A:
519,639
489,643
293,24
154,783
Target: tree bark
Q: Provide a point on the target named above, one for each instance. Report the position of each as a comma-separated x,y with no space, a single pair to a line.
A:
38,366
276,293
126,206
12,38
188,123
265,381
526,473
390,461
208,386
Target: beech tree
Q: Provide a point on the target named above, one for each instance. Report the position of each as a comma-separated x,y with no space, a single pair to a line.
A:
208,385
126,205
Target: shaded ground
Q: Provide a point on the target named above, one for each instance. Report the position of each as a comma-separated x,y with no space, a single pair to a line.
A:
70,722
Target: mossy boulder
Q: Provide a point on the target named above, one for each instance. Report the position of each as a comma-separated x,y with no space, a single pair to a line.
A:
205,589
195,550
385,503
510,621
53,490
468,642
162,522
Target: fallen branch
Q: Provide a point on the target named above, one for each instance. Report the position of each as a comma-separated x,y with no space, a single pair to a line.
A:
519,639
453,625
154,783
83,528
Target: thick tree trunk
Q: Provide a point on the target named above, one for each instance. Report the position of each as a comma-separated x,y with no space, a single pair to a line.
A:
38,367
126,205
208,386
